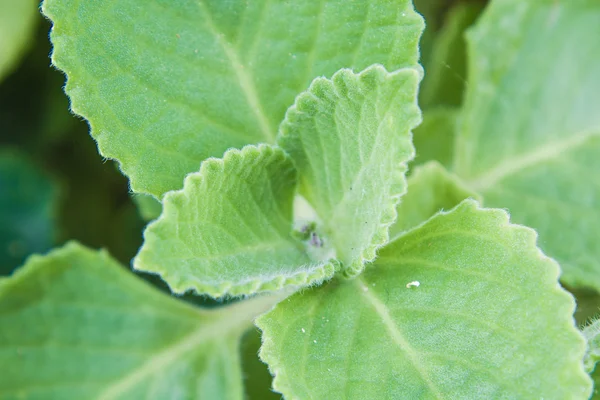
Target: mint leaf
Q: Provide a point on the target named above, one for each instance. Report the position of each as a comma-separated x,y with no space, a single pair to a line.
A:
434,138
166,85
28,202
17,23
96,331
431,189
350,140
487,313
229,231
530,133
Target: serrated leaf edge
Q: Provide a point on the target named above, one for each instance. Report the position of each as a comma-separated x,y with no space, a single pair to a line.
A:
73,85
281,381
307,275
388,215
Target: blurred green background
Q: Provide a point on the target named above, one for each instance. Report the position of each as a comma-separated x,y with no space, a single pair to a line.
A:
54,186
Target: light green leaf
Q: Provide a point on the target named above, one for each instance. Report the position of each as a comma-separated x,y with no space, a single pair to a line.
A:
592,335
446,69
166,84
148,207
229,231
76,325
28,202
487,314
530,133
431,189
434,138
17,23
350,138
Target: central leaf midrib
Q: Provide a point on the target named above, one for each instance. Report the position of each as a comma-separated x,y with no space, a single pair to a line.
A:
234,318
245,80
539,155
396,334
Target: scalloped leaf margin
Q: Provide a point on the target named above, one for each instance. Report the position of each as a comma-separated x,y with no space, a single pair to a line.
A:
350,138
228,232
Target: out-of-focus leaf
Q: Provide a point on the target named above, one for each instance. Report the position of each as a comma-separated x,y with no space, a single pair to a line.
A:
529,136
28,200
446,69
431,189
257,378
148,206
17,22
434,138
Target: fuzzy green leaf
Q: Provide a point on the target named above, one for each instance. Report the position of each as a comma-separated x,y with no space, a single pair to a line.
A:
17,22
487,314
166,84
431,189
74,324
28,203
229,231
530,134
350,138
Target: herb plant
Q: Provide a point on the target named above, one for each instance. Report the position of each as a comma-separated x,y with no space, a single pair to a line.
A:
271,145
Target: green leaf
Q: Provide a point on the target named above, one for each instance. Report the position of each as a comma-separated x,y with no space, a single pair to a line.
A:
530,133
229,231
446,69
434,138
487,314
18,19
431,189
77,325
28,202
350,138
166,84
